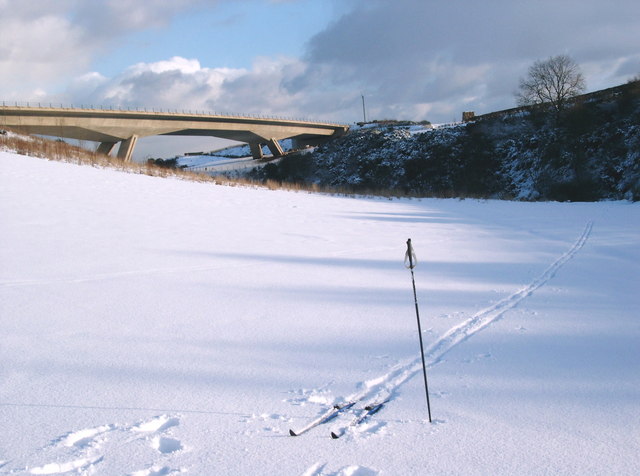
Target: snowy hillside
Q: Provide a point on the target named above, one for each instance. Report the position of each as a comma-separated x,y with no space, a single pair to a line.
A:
591,152
157,326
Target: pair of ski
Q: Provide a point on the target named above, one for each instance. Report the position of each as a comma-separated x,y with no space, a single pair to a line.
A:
336,410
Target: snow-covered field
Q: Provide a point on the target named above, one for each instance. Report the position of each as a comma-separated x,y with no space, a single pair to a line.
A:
154,326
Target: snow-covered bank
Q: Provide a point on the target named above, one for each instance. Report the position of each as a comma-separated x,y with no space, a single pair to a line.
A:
590,152
151,326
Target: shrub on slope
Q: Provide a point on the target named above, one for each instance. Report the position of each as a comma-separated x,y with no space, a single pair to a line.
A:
591,152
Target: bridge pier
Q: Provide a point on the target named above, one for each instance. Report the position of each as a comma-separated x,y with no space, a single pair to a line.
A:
126,148
273,145
275,148
105,147
256,150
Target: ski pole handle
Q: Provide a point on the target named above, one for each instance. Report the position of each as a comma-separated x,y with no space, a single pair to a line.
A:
410,260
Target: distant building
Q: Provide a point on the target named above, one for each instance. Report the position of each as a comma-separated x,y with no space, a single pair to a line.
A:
468,116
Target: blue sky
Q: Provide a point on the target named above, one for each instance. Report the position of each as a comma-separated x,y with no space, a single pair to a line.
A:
232,34
411,59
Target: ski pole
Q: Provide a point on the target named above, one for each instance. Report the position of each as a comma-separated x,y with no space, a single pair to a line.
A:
410,257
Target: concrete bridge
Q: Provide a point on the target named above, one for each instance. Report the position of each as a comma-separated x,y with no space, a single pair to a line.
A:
108,127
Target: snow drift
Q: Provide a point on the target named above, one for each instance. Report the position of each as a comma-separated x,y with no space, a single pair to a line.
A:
156,326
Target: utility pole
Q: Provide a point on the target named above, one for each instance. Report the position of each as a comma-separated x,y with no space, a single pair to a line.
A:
364,111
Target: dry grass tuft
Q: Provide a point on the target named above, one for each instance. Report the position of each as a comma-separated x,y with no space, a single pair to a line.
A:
58,150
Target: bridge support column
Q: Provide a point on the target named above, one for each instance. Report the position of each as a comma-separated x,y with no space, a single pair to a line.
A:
256,150
126,148
297,143
105,147
275,148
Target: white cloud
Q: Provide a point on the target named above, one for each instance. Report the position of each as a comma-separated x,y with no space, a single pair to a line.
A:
181,83
45,43
177,63
414,59
37,49
436,53
108,19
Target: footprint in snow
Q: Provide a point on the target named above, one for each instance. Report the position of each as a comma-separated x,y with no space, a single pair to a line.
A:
318,469
372,429
163,444
160,424
83,450
155,471
79,465
157,424
166,445
86,437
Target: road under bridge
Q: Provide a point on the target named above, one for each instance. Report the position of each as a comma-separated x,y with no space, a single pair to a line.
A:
109,127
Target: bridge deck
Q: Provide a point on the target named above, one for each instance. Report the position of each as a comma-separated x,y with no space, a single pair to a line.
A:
125,126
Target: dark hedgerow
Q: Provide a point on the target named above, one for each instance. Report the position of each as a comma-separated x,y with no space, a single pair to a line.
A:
591,151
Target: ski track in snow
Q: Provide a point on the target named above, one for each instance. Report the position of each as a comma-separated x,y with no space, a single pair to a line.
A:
353,470
384,388
82,451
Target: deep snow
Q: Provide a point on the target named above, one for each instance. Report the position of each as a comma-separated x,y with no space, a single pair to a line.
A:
152,326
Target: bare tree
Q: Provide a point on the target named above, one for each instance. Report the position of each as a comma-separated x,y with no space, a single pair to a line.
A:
551,81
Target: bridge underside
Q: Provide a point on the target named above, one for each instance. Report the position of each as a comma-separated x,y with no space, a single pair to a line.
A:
112,127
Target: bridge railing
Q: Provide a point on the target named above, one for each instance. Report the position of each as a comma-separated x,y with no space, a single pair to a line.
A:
197,112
